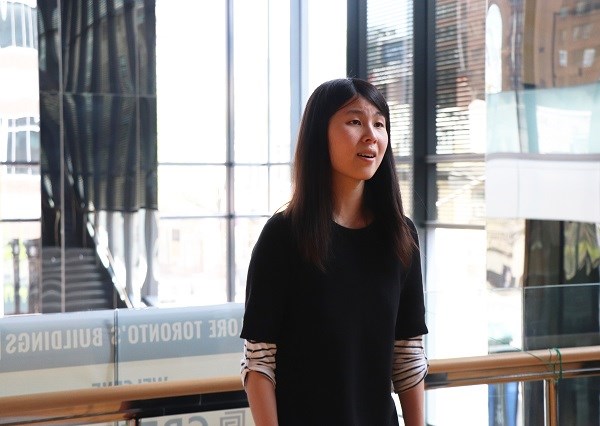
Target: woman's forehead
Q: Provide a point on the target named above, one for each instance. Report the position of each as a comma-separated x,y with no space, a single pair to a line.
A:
360,104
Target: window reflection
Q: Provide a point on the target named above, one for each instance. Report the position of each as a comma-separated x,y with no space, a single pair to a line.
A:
555,98
20,207
17,24
542,201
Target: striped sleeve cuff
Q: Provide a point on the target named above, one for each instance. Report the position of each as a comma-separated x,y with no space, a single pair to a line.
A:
259,357
410,364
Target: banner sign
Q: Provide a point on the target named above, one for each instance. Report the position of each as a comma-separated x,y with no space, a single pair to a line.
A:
51,352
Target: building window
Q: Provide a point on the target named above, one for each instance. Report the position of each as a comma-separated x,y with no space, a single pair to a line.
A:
563,57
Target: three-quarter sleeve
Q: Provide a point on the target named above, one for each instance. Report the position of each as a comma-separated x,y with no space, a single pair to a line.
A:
410,364
259,357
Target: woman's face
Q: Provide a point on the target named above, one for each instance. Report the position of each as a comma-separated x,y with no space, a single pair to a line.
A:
357,141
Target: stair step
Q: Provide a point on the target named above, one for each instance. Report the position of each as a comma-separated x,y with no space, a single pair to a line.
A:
87,285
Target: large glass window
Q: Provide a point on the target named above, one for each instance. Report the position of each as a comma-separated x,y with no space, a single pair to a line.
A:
191,71
224,130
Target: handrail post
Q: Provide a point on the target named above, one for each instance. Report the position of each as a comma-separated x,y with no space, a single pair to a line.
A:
550,402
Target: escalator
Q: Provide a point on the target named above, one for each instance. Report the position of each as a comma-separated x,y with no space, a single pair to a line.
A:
88,286
88,283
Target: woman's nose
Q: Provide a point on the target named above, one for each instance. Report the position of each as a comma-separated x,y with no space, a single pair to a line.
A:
370,134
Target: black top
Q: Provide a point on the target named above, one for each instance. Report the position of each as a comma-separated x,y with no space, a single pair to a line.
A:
334,331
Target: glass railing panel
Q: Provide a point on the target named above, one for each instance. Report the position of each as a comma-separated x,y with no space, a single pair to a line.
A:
232,417
473,322
96,349
514,404
56,352
158,345
462,406
511,319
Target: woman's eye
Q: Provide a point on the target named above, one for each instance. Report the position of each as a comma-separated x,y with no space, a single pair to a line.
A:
354,122
379,124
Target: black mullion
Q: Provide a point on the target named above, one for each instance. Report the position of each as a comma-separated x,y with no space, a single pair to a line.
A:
356,39
424,137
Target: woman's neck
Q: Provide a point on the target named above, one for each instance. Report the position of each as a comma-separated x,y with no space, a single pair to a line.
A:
348,207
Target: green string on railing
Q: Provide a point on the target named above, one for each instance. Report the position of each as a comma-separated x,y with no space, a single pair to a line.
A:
560,366
555,366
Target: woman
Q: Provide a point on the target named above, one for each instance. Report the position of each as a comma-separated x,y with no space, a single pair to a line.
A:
334,297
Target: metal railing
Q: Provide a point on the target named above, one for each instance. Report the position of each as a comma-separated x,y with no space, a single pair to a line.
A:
135,402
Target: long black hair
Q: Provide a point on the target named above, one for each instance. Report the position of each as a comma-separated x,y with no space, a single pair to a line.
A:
311,206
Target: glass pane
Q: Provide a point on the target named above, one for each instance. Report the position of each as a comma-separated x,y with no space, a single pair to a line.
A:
251,73
19,24
405,176
279,82
460,192
543,71
390,68
19,267
505,259
6,25
456,292
191,80
246,234
280,187
390,65
460,65
251,190
191,190
20,192
326,22
578,402
232,417
461,406
192,261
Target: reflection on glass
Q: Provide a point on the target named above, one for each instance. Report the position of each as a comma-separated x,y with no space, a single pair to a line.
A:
405,178
505,253
390,68
19,267
505,256
548,100
460,192
192,262
20,207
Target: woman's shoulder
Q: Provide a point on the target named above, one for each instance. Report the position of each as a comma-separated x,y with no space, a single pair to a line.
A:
279,220
410,224
277,226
